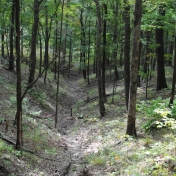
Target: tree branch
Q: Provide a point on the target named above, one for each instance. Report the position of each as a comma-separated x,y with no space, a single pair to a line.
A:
30,85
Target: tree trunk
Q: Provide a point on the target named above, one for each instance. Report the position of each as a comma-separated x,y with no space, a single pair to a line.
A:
65,40
2,45
99,62
41,53
115,44
174,77
34,42
83,45
161,79
131,127
46,43
88,53
127,51
104,52
18,86
56,46
11,59
58,65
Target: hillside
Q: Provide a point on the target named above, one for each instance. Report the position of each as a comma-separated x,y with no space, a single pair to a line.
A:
82,144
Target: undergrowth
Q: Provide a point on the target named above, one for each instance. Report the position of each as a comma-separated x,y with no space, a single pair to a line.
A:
158,114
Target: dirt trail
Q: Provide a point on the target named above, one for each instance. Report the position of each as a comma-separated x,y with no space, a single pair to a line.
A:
75,140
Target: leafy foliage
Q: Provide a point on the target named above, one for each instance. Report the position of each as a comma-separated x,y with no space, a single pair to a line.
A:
158,113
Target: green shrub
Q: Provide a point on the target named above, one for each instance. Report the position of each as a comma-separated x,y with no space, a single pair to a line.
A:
158,114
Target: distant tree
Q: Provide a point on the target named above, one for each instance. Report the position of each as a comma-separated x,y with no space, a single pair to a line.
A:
131,127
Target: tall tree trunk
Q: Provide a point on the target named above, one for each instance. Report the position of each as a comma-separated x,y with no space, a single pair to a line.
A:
115,44
34,42
11,59
46,43
174,77
104,52
131,127
127,51
56,46
18,86
65,40
58,65
88,53
83,45
99,60
161,79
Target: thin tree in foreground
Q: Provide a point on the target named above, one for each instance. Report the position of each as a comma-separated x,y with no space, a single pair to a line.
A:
18,84
58,65
126,17
98,53
131,127
11,58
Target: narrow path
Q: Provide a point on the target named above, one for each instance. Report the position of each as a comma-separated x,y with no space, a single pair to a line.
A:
75,140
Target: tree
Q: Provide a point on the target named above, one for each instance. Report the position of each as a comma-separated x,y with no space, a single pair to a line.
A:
104,50
11,59
126,16
99,60
18,85
131,127
161,79
83,45
34,41
58,64
115,42
174,76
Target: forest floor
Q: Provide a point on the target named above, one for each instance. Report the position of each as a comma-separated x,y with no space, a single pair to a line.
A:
83,144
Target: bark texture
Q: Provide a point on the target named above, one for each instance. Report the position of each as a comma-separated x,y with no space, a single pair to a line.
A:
34,42
18,84
127,51
161,79
99,60
131,127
